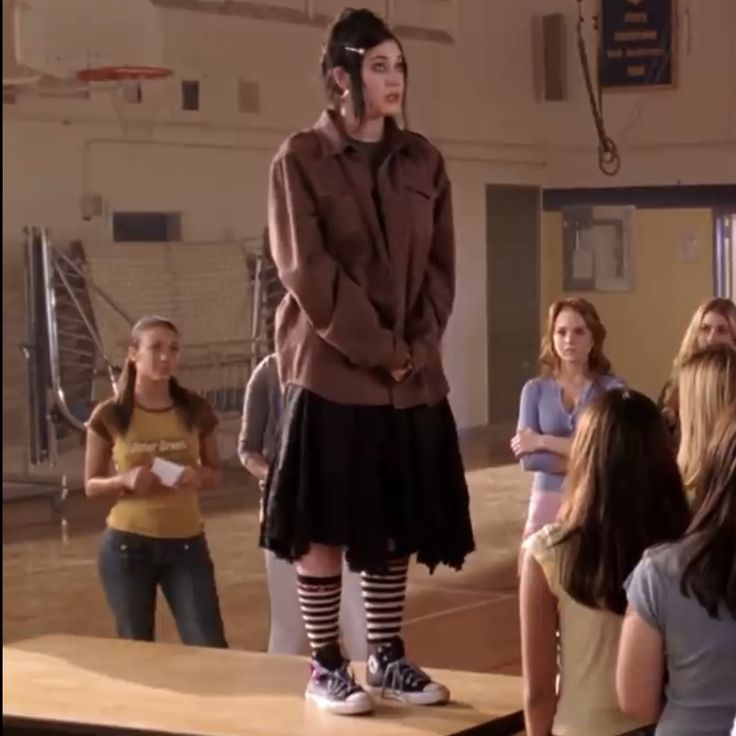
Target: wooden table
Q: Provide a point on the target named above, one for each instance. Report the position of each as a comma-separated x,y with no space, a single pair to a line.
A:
80,685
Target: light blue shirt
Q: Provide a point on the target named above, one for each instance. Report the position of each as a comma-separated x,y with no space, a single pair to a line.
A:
542,410
700,651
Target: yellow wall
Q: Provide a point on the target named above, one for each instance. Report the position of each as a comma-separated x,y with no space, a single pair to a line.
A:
644,326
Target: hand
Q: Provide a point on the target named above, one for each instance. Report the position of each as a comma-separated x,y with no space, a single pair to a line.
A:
525,442
190,479
140,480
399,374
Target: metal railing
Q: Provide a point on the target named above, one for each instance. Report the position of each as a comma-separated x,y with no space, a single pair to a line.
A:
67,362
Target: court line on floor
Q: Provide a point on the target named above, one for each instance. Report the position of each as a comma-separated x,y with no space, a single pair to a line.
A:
459,609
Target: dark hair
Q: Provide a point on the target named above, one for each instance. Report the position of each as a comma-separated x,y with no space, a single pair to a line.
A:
549,361
624,494
351,34
125,399
710,572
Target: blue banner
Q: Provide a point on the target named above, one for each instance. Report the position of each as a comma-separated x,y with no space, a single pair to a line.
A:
637,43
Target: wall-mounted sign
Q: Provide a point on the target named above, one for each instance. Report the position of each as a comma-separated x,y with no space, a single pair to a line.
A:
637,43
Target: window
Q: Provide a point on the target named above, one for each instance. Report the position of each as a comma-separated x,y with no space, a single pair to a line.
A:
146,227
190,95
249,96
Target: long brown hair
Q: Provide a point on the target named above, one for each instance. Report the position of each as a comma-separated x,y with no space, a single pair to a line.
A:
549,361
707,385
710,572
124,405
623,494
689,345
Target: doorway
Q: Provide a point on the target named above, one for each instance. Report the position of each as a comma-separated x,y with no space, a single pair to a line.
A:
512,237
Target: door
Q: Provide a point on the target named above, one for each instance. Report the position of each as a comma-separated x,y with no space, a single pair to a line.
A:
512,217
725,254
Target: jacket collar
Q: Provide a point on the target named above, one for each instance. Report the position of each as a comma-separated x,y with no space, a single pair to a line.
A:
335,140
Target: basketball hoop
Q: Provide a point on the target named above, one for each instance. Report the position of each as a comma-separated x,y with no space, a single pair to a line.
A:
123,73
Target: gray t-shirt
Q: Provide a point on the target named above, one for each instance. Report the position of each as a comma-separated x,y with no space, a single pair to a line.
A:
261,411
700,651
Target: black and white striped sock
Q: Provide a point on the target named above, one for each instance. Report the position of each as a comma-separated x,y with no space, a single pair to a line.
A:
384,597
319,599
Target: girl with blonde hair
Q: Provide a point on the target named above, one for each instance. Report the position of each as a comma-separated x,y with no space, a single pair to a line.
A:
707,385
714,323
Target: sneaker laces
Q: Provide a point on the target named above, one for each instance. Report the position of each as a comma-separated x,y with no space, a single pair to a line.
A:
340,682
402,675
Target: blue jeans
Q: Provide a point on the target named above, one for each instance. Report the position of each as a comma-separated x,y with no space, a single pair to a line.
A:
133,566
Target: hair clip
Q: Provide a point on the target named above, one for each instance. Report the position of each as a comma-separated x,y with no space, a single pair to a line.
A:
354,50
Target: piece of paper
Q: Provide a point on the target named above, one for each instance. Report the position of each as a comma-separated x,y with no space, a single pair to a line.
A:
167,472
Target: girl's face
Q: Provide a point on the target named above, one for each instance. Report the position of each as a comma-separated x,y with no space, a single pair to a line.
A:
384,80
714,330
573,339
156,356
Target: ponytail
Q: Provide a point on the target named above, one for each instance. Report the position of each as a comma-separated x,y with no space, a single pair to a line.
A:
183,401
125,399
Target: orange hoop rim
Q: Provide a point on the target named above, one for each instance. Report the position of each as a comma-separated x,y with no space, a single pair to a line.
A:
122,73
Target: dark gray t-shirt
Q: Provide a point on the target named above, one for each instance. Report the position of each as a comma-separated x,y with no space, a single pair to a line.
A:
700,651
261,411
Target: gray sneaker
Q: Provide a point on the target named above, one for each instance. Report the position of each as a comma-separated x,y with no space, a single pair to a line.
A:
335,691
392,675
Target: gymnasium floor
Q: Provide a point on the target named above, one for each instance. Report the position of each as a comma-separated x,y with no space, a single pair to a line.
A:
466,620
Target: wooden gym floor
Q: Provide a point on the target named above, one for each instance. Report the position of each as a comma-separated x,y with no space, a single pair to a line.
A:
466,620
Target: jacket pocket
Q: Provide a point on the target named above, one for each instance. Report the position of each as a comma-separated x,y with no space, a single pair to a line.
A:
421,206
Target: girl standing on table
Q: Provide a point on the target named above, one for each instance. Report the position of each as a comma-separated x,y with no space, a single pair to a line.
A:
368,460
574,370
155,536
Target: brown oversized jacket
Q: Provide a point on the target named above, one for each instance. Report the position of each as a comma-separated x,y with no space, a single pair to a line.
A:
362,296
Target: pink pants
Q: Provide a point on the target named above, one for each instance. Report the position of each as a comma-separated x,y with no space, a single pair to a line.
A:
543,508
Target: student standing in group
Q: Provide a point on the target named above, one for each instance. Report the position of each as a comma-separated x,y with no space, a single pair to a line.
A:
623,494
707,386
714,323
677,657
574,370
155,536
256,448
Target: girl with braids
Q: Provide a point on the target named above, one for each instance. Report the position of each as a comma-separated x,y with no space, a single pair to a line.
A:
368,460
154,534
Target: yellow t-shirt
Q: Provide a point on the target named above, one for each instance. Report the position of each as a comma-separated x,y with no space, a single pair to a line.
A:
169,513
588,648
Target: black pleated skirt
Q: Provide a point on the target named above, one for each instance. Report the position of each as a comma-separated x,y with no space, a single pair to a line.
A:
377,481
